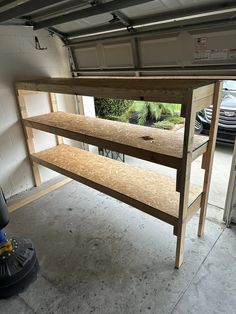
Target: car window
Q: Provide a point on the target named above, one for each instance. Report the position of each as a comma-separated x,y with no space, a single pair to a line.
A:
229,85
229,92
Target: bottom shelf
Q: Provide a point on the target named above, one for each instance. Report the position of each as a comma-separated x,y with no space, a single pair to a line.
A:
150,192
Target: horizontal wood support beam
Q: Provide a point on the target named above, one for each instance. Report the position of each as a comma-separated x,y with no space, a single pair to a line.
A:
38,194
133,88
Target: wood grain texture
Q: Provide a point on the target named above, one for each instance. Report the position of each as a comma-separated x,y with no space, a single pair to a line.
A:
37,195
155,145
54,108
148,191
29,137
149,82
183,183
207,160
134,88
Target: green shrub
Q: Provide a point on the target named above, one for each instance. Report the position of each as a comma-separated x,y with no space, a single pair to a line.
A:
155,110
167,109
111,107
114,118
145,109
176,120
166,125
176,108
143,114
121,110
151,111
140,108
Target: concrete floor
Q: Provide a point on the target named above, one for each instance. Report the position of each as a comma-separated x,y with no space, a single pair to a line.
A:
98,255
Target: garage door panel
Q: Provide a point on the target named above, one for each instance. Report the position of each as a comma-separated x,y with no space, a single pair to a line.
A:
118,55
180,49
87,58
159,52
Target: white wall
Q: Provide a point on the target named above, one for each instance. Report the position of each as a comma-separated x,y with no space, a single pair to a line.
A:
20,60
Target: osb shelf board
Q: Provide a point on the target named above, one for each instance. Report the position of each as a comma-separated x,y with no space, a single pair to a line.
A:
155,145
150,192
135,88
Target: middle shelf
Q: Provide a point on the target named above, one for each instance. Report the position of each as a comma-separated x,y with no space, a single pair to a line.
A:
151,144
148,191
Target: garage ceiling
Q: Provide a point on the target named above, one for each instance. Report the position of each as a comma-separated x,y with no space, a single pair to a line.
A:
77,20
136,37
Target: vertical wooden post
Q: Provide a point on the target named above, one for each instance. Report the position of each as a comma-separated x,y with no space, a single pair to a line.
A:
80,104
207,160
80,109
183,176
54,108
28,136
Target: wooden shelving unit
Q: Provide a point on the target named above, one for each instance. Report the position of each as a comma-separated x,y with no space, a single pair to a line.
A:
173,201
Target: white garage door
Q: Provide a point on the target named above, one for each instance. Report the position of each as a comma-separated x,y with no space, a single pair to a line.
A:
184,51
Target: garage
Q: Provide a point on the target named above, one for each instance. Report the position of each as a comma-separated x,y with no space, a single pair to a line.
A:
118,156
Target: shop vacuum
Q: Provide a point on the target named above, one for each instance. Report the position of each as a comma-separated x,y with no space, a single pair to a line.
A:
18,261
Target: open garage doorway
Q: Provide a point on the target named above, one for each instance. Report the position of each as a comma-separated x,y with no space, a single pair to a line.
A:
149,114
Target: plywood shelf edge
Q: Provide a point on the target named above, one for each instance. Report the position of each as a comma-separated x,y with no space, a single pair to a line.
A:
145,190
159,146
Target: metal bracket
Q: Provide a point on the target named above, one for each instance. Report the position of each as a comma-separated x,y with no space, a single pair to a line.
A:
37,44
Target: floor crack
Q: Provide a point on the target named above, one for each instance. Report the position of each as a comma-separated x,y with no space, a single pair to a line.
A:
23,300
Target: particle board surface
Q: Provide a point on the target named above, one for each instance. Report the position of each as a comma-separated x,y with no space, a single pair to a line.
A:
138,141
148,191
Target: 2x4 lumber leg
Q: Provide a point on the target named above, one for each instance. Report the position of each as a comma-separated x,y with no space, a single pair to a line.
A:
80,110
183,177
180,245
208,156
54,108
36,174
29,137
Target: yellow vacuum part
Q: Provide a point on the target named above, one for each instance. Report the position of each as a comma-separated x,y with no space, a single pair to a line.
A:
7,247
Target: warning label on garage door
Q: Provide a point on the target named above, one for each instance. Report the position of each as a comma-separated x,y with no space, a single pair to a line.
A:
232,54
214,54
201,43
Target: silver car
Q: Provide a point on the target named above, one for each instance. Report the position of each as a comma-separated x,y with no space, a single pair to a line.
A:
227,119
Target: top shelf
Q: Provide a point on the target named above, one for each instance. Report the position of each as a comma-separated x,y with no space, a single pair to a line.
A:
171,89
